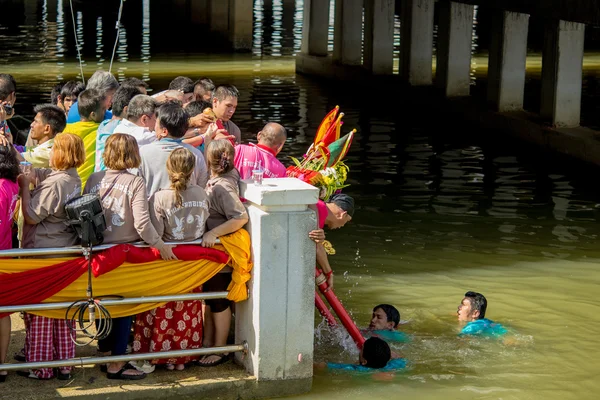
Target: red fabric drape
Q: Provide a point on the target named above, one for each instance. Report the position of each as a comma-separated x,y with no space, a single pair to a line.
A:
36,285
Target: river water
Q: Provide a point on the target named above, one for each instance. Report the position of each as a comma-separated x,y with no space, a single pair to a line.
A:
442,206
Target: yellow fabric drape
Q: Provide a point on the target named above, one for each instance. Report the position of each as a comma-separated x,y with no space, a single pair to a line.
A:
157,278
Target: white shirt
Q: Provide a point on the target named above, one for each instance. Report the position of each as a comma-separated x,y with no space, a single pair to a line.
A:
142,134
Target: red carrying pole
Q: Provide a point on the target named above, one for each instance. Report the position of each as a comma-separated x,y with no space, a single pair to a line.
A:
324,310
339,309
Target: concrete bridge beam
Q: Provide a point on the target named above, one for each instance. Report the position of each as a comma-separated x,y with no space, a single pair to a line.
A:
347,37
562,64
315,27
453,61
416,43
507,59
240,24
219,17
379,37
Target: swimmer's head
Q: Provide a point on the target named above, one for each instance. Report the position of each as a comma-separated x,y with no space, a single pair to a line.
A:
384,317
472,307
375,353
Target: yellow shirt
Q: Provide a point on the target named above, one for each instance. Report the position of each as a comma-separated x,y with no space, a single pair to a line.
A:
87,132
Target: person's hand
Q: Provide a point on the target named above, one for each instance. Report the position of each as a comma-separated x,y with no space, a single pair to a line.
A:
329,282
166,252
318,235
209,239
200,120
23,181
223,134
212,131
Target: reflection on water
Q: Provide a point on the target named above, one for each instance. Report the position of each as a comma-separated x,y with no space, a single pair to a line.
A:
442,208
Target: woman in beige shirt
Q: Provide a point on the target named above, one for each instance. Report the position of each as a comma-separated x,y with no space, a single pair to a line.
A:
48,339
179,214
125,205
227,215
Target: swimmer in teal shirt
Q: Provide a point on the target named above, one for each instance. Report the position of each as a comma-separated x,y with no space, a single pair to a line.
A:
472,310
384,322
375,355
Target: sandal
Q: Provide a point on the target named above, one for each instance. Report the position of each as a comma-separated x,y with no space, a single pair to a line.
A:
125,377
3,376
20,356
31,375
63,376
223,358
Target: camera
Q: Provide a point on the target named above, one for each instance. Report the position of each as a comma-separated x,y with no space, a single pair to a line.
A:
8,109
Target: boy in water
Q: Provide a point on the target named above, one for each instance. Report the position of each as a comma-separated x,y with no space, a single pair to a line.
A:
472,310
375,354
384,324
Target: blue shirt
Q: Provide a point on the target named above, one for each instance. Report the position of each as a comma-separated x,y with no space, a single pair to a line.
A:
483,327
75,117
105,129
394,364
390,336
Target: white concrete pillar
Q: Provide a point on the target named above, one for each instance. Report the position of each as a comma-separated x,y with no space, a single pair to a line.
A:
240,23
379,37
416,41
277,320
562,63
347,36
507,59
219,16
315,27
453,61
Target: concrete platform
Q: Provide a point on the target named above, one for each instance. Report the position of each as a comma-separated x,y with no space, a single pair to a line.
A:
226,381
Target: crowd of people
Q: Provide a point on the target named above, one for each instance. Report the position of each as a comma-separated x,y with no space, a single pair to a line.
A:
166,167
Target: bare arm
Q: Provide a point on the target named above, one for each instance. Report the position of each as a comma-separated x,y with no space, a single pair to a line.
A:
25,199
210,237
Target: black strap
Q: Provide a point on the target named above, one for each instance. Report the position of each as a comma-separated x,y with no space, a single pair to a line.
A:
111,186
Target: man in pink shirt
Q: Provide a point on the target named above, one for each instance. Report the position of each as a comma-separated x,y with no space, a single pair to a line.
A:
262,155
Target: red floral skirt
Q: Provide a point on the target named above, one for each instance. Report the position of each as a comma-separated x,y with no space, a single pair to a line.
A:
175,326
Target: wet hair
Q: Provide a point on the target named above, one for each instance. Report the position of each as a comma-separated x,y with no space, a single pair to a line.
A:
391,313
122,97
196,107
121,152
224,91
7,86
180,166
9,165
478,303
376,352
182,84
103,81
139,105
68,151
53,116
71,89
273,135
89,101
219,156
344,202
173,118
55,93
203,86
134,83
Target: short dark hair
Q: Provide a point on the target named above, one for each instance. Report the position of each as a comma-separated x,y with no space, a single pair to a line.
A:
224,91
182,84
9,165
7,86
196,107
376,352
53,116
344,202
122,97
173,118
392,314
72,89
478,303
202,86
133,82
90,100
55,93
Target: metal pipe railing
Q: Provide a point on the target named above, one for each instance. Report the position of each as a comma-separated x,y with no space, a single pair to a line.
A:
116,301
61,251
81,361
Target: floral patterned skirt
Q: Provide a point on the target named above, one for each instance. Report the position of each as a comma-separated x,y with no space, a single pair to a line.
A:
175,326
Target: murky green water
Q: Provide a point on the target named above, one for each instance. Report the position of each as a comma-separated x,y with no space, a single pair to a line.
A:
439,212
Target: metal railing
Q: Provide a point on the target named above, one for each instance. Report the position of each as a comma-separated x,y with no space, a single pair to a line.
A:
81,361
58,251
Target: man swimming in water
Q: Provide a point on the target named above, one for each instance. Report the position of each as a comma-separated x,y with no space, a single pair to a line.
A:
375,355
472,311
384,324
